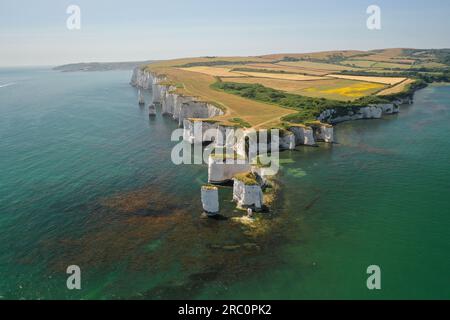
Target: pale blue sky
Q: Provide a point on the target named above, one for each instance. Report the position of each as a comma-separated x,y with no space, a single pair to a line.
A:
35,33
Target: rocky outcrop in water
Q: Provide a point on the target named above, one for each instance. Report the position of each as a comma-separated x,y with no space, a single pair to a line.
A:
152,110
210,199
247,194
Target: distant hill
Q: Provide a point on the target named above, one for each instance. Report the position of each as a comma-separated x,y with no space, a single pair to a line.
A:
100,66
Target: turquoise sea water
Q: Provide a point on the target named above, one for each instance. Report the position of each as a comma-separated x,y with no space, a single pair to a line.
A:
86,179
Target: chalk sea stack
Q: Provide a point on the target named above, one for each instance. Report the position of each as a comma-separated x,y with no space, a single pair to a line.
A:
210,199
152,110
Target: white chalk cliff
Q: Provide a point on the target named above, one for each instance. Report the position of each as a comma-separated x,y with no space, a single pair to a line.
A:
287,141
141,79
304,135
210,199
374,111
247,195
196,131
181,108
323,132
219,171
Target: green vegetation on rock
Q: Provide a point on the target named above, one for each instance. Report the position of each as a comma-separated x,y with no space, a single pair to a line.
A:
240,122
248,178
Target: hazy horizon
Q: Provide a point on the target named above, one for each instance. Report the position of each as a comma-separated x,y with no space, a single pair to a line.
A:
35,34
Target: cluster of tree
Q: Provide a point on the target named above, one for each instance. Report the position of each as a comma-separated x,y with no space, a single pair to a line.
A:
437,55
335,58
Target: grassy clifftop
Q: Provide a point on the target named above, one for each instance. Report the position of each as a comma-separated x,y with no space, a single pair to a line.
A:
265,91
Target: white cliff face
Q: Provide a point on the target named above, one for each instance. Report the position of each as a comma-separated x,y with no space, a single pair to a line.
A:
374,111
195,109
157,92
389,108
247,195
225,137
220,172
145,80
141,79
167,100
181,108
210,199
303,135
371,112
287,141
228,140
324,133
194,131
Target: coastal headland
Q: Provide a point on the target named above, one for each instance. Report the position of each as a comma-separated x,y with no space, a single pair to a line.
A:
300,96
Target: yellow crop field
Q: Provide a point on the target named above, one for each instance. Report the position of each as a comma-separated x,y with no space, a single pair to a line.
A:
382,80
214,71
280,76
396,89
353,91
